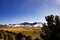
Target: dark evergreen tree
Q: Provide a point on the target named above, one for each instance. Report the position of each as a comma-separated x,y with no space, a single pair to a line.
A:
19,36
28,38
37,39
1,36
9,35
51,31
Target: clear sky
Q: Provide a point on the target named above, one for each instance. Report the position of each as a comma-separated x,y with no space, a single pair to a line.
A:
17,11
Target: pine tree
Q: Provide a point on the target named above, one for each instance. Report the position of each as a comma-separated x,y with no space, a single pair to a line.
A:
19,36
28,37
51,31
37,39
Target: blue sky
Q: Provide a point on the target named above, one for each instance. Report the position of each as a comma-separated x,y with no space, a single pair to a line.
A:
17,11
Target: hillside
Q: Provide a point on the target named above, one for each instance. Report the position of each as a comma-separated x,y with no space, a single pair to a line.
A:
33,31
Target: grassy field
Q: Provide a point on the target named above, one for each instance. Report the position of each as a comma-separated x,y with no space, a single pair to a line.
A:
33,31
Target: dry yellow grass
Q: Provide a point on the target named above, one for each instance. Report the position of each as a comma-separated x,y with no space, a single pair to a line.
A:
33,31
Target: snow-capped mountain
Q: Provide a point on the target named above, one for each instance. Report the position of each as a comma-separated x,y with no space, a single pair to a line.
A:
35,24
26,24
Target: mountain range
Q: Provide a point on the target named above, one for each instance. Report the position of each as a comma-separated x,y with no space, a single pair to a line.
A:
34,23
